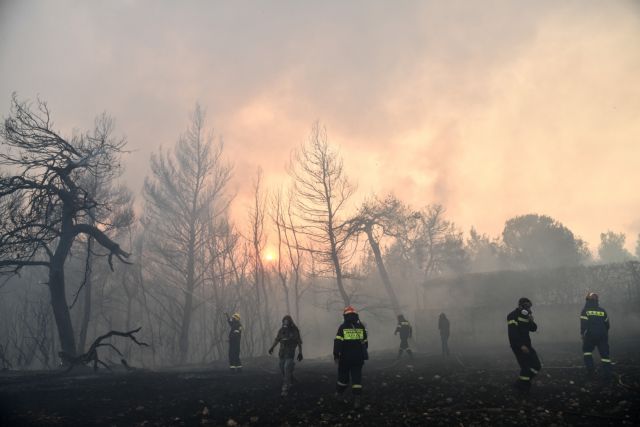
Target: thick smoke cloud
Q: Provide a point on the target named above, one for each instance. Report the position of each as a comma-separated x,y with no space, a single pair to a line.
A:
492,108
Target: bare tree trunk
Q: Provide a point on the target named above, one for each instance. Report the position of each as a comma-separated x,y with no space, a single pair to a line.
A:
383,271
188,298
86,309
60,308
338,271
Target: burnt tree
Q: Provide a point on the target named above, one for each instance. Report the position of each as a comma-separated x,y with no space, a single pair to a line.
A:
44,206
376,219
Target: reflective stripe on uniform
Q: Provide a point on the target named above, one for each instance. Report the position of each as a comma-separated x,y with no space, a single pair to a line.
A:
523,378
338,337
595,313
342,384
356,386
353,334
587,354
605,360
522,319
584,317
512,322
533,370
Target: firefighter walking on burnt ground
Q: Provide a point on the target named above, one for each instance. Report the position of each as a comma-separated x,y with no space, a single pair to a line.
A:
235,333
350,350
594,329
289,339
519,323
405,331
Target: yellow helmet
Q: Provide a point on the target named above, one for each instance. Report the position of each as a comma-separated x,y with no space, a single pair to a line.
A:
236,316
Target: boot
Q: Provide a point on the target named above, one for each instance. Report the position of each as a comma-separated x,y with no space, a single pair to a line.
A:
356,402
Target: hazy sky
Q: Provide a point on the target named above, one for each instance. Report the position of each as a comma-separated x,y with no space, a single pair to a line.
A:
491,108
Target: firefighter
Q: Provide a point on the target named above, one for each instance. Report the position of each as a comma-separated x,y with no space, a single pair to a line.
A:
235,333
520,322
350,350
289,338
443,326
594,329
405,331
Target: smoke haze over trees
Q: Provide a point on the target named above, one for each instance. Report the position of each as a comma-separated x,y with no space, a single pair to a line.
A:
307,248
407,147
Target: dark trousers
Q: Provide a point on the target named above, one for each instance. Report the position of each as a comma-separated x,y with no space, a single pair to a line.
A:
529,366
234,355
346,370
286,369
445,345
589,344
404,346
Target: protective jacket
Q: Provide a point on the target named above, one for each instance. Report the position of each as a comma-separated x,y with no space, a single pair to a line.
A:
236,330
520,323
404,329
594,321
350,345
289,339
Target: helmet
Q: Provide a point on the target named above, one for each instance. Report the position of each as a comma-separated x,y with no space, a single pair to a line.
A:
592,296
349,310
524,300
236,316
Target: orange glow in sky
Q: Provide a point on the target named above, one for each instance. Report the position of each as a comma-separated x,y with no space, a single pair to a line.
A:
269,255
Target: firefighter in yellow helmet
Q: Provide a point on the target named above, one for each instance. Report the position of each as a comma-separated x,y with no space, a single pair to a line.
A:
235,365
594,329
350,350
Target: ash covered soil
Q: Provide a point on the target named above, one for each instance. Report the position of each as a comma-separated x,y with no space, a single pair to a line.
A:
472,389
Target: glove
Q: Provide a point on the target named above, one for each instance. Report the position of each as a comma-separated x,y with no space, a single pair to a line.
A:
300,357
270,351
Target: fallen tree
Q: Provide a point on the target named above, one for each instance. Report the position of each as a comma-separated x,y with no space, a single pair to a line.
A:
92,354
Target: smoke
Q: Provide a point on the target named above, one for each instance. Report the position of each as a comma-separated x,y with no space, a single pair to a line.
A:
490,108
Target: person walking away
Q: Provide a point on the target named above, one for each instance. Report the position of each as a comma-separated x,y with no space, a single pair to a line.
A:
443,326
350,350
289,338
594,329
235,333
519,324
405,331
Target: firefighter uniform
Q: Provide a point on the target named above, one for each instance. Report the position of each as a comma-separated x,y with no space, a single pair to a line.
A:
350,351
405,331
594,329
519,324
235,334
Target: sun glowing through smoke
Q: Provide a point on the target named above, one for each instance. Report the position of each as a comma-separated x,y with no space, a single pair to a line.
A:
269,255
